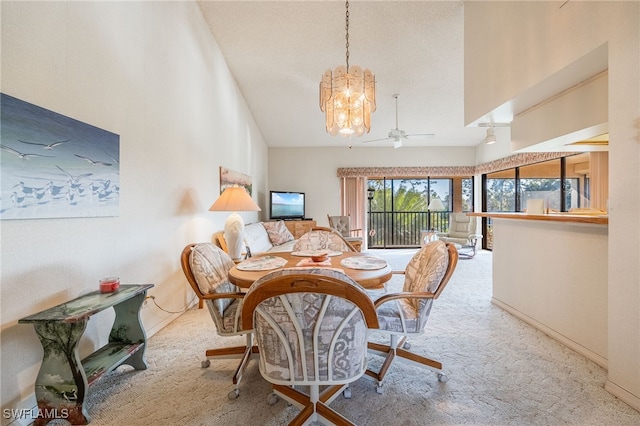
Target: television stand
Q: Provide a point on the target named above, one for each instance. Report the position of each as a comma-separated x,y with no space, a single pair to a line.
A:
299,227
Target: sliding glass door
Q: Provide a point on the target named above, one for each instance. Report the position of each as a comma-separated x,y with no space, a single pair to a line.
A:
399,210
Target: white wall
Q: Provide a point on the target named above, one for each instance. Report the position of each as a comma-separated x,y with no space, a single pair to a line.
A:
314,170
152,73
512,46
552,275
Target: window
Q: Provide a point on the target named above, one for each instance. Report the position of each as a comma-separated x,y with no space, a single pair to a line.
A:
467,194
500,191
577,181
398,211
564,183
540,181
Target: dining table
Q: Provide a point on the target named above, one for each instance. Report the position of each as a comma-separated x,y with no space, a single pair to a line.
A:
371,272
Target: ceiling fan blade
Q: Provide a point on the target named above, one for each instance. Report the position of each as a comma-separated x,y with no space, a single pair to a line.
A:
378,140
418,135
494,124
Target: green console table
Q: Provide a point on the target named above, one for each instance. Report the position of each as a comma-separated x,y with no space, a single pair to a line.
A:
64,379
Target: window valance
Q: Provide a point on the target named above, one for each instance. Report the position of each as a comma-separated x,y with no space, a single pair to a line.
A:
391,172
515,160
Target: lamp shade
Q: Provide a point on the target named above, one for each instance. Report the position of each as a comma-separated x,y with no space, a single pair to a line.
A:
435,204
234,199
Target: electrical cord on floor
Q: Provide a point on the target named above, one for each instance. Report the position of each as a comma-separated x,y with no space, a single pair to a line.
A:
191,302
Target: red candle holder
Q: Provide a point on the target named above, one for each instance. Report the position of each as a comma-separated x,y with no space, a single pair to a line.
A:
109,285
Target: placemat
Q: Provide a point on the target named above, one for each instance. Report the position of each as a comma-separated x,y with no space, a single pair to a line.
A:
307,253
261,263
363,262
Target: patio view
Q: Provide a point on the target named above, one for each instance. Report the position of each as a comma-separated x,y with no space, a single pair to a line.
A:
400,209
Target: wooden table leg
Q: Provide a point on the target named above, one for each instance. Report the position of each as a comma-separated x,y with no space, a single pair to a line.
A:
61,384
127,328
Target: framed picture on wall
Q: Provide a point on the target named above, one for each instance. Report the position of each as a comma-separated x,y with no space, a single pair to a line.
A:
229,178
53,166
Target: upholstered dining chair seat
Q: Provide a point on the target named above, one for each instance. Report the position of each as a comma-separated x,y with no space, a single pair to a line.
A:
398,316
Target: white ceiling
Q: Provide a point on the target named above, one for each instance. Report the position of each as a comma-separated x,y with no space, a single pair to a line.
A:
278,50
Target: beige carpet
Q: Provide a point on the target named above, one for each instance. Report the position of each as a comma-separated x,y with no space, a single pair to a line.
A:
501,371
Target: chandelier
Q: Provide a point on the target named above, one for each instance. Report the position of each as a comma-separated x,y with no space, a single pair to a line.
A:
348,96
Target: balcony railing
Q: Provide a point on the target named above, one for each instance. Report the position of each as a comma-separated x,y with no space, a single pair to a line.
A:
403,229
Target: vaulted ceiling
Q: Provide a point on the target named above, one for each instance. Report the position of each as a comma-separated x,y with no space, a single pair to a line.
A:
277,52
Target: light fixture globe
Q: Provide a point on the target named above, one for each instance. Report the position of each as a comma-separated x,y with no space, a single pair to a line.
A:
348,97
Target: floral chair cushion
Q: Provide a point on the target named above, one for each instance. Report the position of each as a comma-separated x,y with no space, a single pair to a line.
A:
278,232
210,266
307,338
424,273
320,240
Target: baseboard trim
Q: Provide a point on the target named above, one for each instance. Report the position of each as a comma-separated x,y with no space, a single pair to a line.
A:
587,353
623,394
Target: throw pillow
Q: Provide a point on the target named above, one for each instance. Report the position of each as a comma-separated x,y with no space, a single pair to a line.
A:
278,232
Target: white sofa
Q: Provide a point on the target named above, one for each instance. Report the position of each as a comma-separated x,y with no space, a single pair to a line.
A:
274,240
263,237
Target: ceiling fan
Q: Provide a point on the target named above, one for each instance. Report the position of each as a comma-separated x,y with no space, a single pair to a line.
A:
397,135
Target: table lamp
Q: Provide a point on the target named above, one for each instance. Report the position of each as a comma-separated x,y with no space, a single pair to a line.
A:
234,199
435,205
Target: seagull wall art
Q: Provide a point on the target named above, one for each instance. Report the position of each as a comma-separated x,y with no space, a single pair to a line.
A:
44,145
22,155
94,162
53,166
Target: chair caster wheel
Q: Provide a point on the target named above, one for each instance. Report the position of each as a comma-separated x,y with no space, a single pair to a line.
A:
347,393
272,399
233,394
406,346
379,388
443,378
205,363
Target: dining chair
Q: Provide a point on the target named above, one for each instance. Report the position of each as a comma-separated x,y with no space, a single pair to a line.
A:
405,313
311,327
206,267
322,238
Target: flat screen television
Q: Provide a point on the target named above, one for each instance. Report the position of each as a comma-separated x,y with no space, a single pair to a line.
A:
286,205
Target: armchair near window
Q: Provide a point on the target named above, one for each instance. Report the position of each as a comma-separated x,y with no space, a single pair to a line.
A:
462,231
342,224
